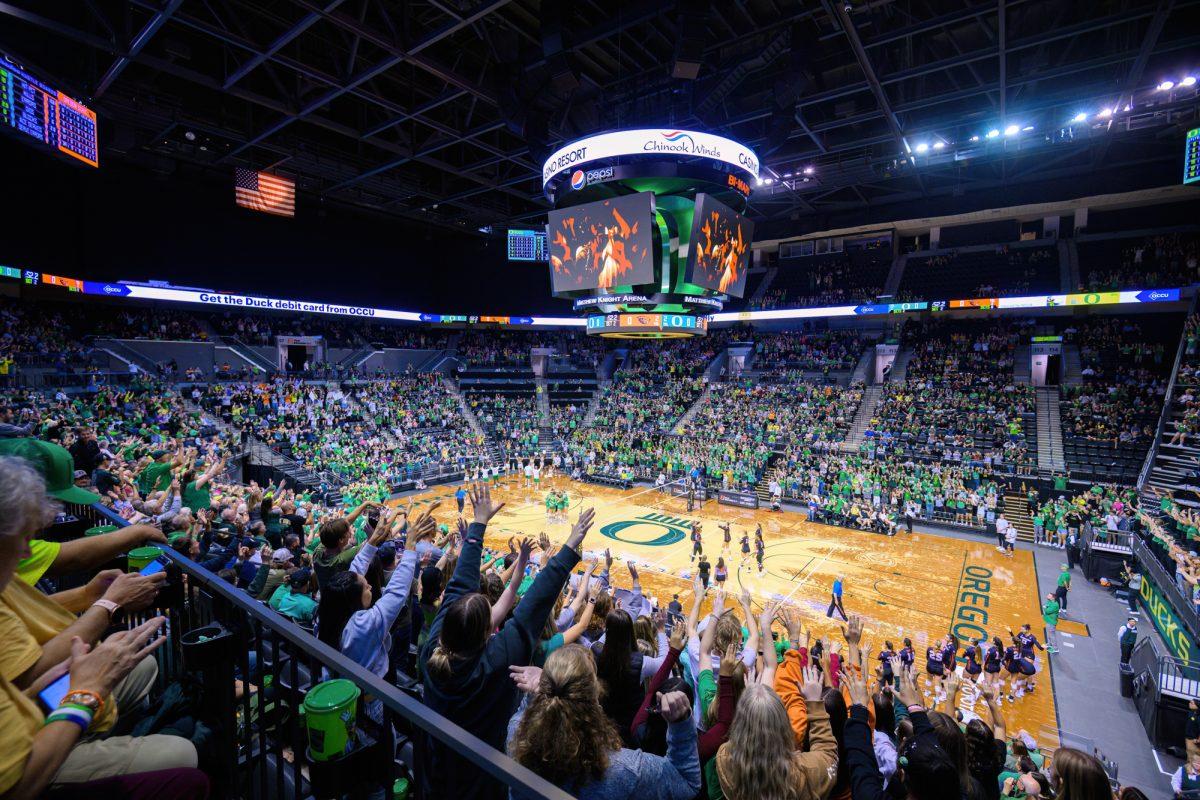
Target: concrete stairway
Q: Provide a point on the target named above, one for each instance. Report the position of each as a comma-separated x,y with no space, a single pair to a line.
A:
465,409
862,420
543,396
900,365
895,275
594,404
1017,511
1049,431
761,489
1068,265
123,352
1022,370
1072,366
693,410
864,370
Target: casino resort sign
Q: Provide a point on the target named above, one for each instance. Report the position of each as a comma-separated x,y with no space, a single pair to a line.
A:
647,141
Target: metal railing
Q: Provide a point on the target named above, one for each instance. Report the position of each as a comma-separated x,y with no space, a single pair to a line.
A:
1152,568
248,669
1165,415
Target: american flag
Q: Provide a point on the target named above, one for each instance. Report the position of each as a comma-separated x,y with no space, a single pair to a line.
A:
262,192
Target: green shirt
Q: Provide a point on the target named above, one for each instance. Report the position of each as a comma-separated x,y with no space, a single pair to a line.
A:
1050,612
196,498
1064,579
152,477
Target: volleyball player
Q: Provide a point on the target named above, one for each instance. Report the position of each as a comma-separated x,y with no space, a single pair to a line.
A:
950,654
721,572
886,676
759,549
1026,643
745,542
907,654
697,542
972,654
728,536
551,506
992,658
935,670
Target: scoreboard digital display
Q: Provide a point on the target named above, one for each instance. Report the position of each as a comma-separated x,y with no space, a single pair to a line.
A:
525,245
1191,157
30,107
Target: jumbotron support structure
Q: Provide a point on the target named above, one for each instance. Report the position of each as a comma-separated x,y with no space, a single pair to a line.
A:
648,235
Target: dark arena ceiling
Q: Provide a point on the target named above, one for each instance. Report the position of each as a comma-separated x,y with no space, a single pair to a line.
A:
442,111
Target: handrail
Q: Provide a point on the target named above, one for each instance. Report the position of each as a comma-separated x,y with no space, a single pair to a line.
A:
1165,415
1153,568
495,763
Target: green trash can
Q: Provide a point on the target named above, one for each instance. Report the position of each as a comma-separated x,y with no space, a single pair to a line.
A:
100,529
141,556
330,712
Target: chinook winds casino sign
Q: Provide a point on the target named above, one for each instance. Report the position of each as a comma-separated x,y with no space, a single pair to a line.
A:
650,141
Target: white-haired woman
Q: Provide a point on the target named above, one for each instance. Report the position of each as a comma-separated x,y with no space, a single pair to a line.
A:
46,750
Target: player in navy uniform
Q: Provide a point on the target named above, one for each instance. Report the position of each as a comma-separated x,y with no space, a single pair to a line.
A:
745,544
991,666
727,536
697,543
1026,641
886,677
972,655
934,668
950,654
907,654
759,550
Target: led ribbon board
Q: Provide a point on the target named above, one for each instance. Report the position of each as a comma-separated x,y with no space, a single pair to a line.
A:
650,141
665,321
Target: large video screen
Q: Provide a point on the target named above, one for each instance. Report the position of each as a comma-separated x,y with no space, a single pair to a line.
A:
603,244
719,253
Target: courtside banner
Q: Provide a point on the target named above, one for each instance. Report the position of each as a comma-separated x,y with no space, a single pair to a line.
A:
650,141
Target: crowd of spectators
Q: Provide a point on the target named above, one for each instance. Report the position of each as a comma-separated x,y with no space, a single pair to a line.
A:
808,352
39,334
148,323
513,421
959,402
1123,383
1167,260
390,431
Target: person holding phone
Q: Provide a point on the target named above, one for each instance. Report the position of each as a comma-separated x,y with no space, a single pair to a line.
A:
52,748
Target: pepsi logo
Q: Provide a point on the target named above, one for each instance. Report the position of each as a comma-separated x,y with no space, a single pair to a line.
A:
578,180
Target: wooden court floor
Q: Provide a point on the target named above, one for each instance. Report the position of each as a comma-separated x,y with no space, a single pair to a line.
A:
921,586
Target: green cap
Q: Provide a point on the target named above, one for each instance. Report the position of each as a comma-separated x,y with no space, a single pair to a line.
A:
54,464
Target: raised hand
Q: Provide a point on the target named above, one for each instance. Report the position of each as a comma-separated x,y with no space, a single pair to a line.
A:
582,525
678,637
674,706
792,623
853,629
812,686
525,549
909,694
856,684
544,542
526,678
729,660
482,503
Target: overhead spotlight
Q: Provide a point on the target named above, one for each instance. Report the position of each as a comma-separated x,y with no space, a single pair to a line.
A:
993,133
1127,107
1027,128
922,147
808,170
787,174
768,181
1190,80
975,138
190,136
938,145
1080,117
1166,86
1012,130
806,180
1105,113
758,182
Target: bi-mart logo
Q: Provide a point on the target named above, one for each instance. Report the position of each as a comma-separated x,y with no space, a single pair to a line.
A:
651,530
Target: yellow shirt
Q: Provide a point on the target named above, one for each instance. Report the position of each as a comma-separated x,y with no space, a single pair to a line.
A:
42,555
20,720
29,619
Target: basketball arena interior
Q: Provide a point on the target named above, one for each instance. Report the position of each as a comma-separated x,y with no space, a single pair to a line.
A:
603,399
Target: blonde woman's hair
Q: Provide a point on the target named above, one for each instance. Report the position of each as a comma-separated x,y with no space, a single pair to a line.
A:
758,759
565,736
729,631
643,630
24,506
